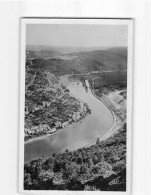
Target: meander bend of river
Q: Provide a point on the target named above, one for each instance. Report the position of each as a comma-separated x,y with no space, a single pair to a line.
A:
78,134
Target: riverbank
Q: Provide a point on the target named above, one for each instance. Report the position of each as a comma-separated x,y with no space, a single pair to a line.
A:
40,137
120,120
79,116
79,134
53,115
113,127
117,122
109,164
54,133
116,125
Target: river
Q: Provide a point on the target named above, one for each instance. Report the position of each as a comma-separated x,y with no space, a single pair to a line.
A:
78,134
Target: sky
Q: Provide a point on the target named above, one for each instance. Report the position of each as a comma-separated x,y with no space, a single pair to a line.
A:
76,35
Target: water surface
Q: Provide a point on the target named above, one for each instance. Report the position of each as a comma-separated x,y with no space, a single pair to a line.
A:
77,135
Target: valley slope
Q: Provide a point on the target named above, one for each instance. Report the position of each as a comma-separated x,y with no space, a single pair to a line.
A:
79,62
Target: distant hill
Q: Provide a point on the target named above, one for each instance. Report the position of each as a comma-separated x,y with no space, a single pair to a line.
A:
109,59
81,62
38,47
115,50
61,49
118,50
41,54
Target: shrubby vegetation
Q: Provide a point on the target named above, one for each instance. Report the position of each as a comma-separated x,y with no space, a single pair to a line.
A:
90,168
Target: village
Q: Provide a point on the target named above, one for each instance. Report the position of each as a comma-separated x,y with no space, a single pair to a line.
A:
49,110
45,129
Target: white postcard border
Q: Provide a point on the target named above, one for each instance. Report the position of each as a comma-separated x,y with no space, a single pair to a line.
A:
91,21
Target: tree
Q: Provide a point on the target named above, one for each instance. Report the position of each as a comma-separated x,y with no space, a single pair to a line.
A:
79,160
45,180
27,181
83,169
98,141
57,166
66,151
57,179
90,188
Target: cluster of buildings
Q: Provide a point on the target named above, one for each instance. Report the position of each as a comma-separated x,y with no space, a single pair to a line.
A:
43,129
39,107
47,111
36,130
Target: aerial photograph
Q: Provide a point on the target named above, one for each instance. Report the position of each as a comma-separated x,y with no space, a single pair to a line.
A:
75,110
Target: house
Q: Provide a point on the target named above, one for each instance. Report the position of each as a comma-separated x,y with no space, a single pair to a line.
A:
46,104
53,130
64,124
58,124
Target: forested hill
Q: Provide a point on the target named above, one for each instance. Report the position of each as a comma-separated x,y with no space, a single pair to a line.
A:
115,50
82,62
118,50
99,167
109,59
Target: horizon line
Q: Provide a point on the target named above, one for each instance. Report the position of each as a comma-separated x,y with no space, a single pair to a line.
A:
75,46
